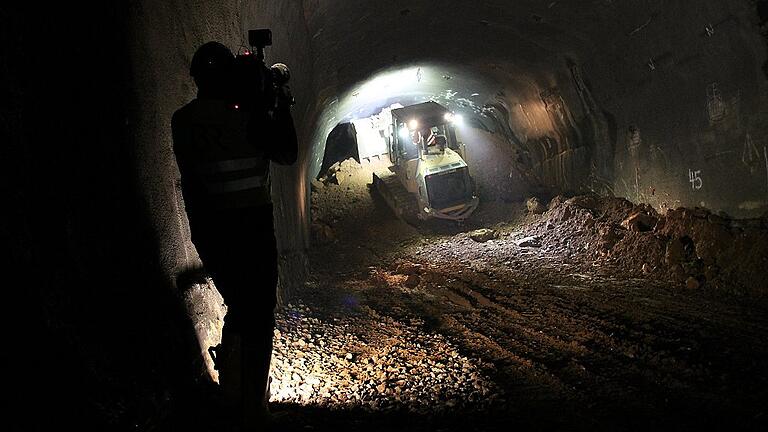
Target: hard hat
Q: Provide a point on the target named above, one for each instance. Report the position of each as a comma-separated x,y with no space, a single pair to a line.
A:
211,58
281,74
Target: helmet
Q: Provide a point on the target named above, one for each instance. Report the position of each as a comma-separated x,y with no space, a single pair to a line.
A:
281,74
211,58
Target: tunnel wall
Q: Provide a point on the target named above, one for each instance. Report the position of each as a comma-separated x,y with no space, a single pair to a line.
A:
98,336
649,102
687,95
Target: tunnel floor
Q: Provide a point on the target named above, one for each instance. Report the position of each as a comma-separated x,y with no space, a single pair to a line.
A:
430,329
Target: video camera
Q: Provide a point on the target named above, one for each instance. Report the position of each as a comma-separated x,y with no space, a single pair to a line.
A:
258,88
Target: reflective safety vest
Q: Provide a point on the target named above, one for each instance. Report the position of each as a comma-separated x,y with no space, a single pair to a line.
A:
235,183
254,179
219,168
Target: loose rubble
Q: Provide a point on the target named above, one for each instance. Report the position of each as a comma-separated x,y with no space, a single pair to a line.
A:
528,242
372,362
535,206
483,235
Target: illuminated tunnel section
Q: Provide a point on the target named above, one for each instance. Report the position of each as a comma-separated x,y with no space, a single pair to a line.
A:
519,145
461,90
456,89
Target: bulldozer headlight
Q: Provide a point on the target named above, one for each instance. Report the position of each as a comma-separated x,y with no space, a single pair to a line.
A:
449,117
458,119
413,124
404,133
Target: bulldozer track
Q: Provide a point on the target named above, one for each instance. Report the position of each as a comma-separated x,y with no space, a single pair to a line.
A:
402,203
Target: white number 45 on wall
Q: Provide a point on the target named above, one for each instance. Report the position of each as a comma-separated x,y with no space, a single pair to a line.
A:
695,178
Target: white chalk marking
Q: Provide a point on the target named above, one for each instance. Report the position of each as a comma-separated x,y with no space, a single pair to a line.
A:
695,178
765,156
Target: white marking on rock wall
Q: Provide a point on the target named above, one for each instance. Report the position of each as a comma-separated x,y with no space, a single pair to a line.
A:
694,177
765,156
715,105
751,205
750,155
641,27
634,137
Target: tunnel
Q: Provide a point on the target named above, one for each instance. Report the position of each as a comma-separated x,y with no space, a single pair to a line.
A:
605,270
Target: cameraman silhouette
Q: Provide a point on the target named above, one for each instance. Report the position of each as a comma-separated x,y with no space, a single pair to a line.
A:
224,141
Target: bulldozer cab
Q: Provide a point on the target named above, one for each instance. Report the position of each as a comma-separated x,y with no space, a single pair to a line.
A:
422,130
428,160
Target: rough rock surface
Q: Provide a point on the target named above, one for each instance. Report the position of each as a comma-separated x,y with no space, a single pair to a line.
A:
483,235
535,206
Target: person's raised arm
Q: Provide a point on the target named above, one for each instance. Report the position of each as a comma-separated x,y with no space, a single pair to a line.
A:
283,145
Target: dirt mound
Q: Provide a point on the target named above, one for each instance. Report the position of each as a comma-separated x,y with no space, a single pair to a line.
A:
692,246
341,187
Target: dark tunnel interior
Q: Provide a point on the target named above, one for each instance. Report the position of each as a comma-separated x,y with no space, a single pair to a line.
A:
609,275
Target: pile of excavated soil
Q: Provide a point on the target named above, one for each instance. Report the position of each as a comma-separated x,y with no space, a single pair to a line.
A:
691,246
341,197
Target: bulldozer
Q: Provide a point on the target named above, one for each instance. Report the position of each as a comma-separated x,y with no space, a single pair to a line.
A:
428,177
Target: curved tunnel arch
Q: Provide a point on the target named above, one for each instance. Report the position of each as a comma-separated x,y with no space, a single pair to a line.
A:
459,89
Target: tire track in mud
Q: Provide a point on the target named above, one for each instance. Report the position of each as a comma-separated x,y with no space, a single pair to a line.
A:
631,355
553,355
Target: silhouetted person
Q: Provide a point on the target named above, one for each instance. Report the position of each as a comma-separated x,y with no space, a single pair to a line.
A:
223,153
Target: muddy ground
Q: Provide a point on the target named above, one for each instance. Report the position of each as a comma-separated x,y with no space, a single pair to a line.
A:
534,323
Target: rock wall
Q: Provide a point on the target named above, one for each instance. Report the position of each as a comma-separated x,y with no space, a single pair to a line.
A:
687,96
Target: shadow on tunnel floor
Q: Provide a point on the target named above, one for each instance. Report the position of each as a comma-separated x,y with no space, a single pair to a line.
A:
543,416
292,417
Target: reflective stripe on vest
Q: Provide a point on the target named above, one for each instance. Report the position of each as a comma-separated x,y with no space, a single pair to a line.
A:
233,165
236,185
233,175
